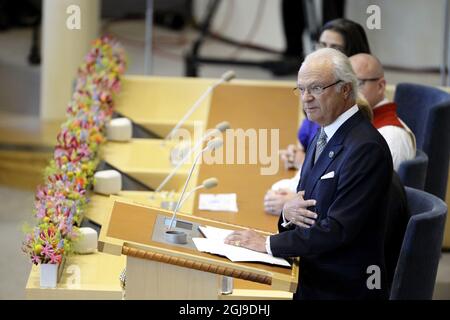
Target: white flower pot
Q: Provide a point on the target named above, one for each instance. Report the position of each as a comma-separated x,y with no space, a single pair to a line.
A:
49,275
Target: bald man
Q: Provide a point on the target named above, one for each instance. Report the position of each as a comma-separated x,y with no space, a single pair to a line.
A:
343,183
372,85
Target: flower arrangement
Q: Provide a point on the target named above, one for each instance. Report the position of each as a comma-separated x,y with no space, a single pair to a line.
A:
62,198
46,244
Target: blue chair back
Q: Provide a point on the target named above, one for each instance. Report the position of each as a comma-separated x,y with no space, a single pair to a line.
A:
426,110
416,270
413,172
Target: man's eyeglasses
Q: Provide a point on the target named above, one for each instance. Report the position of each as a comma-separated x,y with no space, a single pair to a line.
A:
362,82
321,45
315,90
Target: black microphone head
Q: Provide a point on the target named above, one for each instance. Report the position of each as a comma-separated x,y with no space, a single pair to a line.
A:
222,126
228,76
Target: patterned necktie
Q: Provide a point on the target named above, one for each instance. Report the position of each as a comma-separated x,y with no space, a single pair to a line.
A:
321,143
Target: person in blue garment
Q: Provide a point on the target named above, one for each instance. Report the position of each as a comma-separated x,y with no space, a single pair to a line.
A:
345,175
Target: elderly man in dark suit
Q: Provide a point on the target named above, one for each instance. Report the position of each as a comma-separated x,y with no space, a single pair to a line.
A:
343,188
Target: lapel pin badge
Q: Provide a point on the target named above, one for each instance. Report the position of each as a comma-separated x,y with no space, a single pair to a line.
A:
331,154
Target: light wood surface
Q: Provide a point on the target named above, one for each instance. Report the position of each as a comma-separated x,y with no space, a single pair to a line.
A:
131,225
92,276
147,160
248,290
99,205
250,107
138,154
158,103
162,281
98,212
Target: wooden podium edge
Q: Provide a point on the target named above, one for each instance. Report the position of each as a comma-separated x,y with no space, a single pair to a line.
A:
191,264
117,247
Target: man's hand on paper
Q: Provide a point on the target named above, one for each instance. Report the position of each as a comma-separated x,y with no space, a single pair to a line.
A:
249,239
275,200
295,211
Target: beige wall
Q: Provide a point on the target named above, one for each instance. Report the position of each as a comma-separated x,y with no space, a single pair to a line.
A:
63,51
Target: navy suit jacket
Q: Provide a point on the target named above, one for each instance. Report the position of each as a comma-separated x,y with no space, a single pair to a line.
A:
348,235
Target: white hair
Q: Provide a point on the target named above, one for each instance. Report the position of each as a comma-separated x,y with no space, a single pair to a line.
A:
342,68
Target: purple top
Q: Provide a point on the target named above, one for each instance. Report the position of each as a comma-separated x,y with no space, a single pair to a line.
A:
306,132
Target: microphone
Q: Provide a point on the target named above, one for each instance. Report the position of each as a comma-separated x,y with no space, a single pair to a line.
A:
212,145
210,183
226,77
182,151
206,184
220,127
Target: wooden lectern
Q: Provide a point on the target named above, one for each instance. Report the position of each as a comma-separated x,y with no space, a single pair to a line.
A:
157,269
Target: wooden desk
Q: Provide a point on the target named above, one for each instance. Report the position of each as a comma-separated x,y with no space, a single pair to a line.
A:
98,279
158,103
129,231
247,290
100,205
99,272
99,211
147,160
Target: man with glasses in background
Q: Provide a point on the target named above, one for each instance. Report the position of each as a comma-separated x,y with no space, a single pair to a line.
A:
372,85
342,187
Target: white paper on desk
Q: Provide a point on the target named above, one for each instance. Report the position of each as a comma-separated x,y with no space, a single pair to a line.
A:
218,202
213,243
207,245
214,233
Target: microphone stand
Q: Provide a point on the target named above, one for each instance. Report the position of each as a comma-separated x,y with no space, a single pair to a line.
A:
180,163
189,194
185,186
180,237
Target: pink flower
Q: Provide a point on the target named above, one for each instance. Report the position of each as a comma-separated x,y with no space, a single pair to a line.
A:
41,213
55,258
47,250
63,198
28,238
35,259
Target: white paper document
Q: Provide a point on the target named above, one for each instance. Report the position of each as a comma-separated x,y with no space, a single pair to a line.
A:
218,202
214,243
